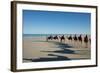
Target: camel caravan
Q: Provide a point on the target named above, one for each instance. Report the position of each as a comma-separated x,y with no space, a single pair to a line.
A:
81,39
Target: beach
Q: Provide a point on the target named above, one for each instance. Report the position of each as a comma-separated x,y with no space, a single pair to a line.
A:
38,49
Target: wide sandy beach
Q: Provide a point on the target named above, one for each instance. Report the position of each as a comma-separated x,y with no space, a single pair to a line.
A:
37,49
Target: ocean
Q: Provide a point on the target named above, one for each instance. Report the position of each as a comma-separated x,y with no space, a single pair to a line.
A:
43,35
46,35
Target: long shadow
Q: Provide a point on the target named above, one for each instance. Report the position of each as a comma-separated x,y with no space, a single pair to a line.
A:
63,49
56,58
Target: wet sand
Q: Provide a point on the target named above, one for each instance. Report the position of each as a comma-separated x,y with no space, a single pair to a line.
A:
37,49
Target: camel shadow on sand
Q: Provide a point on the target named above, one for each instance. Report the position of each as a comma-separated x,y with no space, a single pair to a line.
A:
55,57
63,49
45,59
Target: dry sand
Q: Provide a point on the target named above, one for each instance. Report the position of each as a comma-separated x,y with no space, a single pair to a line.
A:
37,49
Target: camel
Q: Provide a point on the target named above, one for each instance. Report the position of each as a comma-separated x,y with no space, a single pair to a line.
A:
70,38
86,40
75,38
62,38
55,37
50,37
80,38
